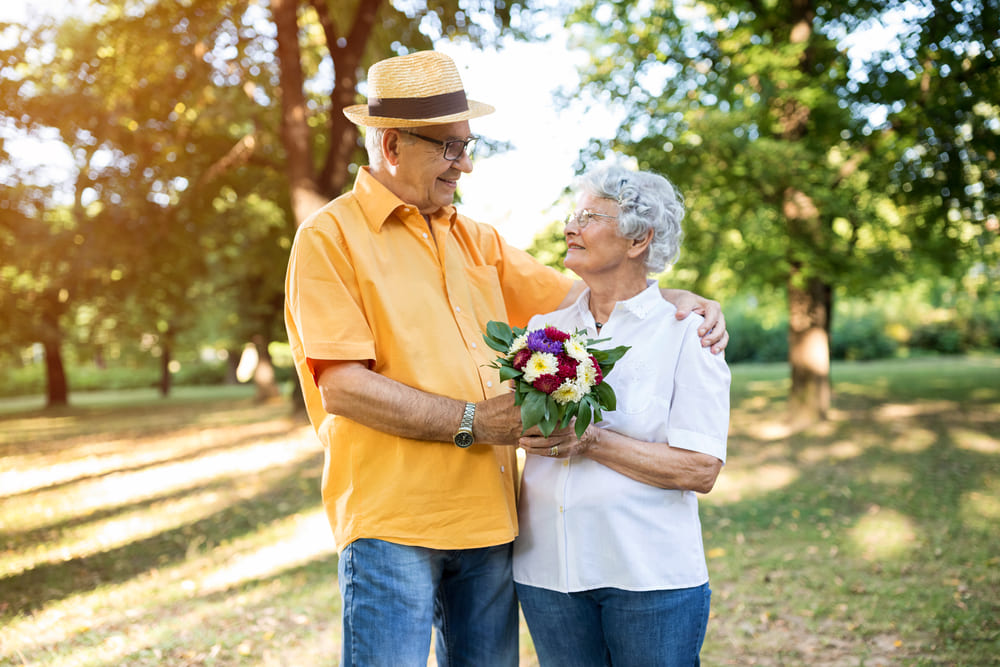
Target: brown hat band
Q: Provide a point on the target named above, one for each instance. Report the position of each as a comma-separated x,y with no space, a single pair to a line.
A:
434,106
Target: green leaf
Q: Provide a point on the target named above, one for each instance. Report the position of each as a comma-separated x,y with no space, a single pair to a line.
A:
499,331
532,409
583,417
498,336
548,424
605,396
610,357
509,373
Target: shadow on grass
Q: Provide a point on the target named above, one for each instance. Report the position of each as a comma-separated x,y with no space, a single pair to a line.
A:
871,530
292,491
191,454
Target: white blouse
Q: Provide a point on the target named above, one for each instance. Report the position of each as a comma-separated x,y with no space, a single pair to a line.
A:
584,525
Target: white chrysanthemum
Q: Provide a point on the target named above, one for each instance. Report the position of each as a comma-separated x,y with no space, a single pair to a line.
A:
540,363
576,349
569,391
586,374
518,344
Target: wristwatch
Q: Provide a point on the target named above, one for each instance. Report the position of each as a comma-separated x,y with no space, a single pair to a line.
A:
464,436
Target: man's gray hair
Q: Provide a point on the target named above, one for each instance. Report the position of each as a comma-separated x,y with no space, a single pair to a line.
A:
373,144
646,201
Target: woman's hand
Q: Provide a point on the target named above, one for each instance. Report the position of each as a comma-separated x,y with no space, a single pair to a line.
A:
561,444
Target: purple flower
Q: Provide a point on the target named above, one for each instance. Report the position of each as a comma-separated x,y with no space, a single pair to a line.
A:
539,342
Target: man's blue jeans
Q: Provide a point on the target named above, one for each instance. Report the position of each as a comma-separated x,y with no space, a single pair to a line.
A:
608,626
393,594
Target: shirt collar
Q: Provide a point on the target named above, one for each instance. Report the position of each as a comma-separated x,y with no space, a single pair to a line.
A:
642,305
378,203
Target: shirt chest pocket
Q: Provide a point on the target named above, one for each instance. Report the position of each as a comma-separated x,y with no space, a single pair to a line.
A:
638,380
483,293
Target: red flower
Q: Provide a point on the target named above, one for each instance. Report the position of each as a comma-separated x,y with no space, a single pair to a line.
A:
547,383
555,334
521,359
567,367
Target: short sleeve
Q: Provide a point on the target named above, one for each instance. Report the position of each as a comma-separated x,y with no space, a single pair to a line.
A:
699,410
323,298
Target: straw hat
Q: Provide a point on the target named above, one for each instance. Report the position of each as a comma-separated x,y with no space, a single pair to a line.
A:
421,88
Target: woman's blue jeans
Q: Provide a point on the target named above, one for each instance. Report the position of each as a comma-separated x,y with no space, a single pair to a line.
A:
609,626
394,594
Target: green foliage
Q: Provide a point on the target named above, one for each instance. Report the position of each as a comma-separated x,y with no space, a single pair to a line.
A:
800,164
926,318
30,380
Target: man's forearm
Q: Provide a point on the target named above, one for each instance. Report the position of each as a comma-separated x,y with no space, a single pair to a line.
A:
349,389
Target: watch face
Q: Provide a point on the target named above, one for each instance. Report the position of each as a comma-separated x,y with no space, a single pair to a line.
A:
463,439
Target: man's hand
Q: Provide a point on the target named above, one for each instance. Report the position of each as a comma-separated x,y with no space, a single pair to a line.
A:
498,421
713,330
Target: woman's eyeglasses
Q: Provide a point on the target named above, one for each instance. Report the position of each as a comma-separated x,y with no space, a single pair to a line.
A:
453,148
584,217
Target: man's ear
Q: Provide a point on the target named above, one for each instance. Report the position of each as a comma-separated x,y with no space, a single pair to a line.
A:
390,146
639,246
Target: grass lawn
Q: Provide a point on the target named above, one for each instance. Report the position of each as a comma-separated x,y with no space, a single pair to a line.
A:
137,531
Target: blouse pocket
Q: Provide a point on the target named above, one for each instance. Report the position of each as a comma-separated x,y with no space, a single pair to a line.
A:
634,382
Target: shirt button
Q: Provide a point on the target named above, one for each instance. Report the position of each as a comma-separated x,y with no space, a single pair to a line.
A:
565,462
489,383
560,509
458,309
503,469
425,234
473,346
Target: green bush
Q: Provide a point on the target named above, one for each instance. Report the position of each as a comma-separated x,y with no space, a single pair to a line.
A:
750,339
201,373
22,381
861,337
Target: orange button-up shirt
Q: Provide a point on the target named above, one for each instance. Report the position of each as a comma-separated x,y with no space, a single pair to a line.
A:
367,282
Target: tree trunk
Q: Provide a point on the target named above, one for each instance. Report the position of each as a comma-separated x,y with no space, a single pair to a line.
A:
232,364
346,51
810,303
263,375
165,378
56,386
306,195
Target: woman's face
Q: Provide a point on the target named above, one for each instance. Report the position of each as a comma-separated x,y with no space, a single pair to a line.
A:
594,248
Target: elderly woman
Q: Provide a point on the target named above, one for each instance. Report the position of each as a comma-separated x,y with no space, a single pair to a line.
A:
609,564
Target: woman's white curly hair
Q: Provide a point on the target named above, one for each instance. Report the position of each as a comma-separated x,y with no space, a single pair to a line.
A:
645,201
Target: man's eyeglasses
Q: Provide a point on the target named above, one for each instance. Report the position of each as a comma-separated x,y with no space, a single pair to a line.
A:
453,148
584,217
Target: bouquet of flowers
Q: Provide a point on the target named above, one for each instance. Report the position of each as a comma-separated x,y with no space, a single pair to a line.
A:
557,376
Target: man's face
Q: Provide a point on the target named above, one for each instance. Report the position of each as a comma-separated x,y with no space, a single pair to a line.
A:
423,177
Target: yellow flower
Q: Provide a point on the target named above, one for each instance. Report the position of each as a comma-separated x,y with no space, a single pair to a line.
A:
518,344
569,391
540,363
576,349
586,374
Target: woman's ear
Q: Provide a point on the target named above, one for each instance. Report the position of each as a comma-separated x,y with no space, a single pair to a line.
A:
639,246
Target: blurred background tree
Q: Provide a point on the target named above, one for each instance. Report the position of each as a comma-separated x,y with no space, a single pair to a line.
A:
806,169
201,134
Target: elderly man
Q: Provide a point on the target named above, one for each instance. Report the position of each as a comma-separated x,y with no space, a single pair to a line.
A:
388,292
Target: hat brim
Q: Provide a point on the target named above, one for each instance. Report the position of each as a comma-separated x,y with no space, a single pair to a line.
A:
358,114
